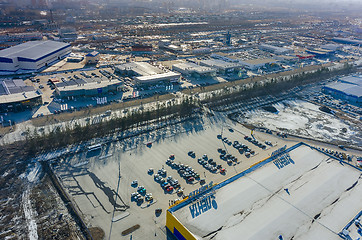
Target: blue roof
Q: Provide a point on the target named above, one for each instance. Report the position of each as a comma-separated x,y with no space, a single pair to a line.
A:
33,50
92,54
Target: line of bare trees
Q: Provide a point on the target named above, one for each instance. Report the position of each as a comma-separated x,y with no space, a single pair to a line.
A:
62,136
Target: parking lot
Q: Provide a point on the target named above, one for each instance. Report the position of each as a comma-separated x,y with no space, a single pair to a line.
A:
169,164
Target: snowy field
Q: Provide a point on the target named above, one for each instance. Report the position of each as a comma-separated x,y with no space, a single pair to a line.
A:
310,196
304,119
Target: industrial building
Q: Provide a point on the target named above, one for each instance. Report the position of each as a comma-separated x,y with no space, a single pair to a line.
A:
333,47
15,96
224,56
253,64
189,68
221,66
145,73
349,41
92,57
275,49
297,193
142,48
320,53
32,56
73,57
68,33
248,62
166,45
86,87
347,88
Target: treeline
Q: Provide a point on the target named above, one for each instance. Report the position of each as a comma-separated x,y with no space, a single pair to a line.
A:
62,136
274,86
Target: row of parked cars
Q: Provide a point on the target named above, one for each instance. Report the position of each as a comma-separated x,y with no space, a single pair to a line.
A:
168,184
242,148
229,158
337,154
185,171
282,135
255,142
210,164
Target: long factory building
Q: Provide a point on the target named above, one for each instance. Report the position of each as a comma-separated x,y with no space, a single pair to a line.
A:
32,56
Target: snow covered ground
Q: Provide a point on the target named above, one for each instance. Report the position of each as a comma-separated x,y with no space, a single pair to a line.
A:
312,197
304,119
29,216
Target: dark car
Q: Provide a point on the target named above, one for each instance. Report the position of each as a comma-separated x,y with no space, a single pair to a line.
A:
191,154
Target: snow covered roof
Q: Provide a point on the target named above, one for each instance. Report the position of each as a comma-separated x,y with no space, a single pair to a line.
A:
140,68
33,50
219,64
299,194
192,67
350,85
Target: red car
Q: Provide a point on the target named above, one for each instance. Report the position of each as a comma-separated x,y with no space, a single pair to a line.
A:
149,144
222,171
169,189
190,179
172,156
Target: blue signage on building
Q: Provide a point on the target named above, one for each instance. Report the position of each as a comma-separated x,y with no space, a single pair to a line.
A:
283,161
280,150
202,206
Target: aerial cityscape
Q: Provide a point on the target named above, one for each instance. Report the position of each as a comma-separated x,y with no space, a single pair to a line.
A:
164,119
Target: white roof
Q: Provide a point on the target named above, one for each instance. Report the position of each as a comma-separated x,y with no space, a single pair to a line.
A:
19,97
313,197
192,67
87,84
33,50
141,68
219,63
350,85
158,77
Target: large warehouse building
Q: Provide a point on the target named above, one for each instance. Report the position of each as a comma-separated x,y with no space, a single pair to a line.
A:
297,193
32,56
347,88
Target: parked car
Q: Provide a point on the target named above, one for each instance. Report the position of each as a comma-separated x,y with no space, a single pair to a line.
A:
141,189
190,179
